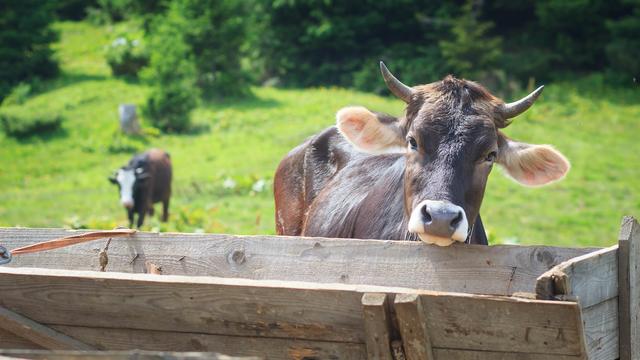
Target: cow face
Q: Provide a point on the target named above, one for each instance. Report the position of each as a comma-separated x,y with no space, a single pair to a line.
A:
451,139
128,179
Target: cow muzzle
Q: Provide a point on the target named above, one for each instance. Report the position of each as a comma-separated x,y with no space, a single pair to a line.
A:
439,222
127,204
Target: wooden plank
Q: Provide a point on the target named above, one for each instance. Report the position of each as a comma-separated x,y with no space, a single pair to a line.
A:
629,289
450,354
413,329
375,312
498,270
241,307
591,278
116,355
10,340
601,330
38,333
486,323
269,348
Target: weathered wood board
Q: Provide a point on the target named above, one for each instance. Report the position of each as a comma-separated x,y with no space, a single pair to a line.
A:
120,311
496,270
475,323
629,293
592,281
116,355
591,278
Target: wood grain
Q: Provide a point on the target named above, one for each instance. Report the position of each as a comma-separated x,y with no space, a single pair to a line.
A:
38,333
375,313
330,312
629,289
451,354
9,340
498,270
601,330
117,355
485,323
413,327
269,348
591,278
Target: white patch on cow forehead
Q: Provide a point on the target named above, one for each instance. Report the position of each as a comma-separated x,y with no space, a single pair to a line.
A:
126,178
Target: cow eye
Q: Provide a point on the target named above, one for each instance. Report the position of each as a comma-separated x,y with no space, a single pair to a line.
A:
413,143
491,157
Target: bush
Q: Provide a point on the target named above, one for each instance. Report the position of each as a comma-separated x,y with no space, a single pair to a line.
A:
172,73
21,122
126,57
24,42
214,32
169,107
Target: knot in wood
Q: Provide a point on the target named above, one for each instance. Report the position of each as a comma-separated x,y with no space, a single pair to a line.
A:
237,256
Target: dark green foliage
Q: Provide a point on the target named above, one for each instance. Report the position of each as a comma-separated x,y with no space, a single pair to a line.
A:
126,56
469,51
24,42
172,73
214,31
623,51
22,122
73,9
330,42
313,42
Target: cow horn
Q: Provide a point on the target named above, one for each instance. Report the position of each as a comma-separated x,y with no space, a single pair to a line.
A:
516,108
398,89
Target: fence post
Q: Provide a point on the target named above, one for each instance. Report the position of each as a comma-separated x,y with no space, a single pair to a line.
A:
629,289
376,326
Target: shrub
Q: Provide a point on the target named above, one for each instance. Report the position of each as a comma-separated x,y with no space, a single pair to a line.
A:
172,74
169,107
21,122
126,57
24,42
213,32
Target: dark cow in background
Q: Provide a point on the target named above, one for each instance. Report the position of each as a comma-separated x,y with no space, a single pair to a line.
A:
420,176
144,181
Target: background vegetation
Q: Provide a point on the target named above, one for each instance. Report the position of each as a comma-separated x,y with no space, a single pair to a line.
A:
204,72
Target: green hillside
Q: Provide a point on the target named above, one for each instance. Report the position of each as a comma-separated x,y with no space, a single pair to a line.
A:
61,179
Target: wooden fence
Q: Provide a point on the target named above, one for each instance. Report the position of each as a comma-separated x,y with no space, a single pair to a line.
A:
312,298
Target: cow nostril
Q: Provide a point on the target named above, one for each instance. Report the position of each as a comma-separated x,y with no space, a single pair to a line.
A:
426,217
456,221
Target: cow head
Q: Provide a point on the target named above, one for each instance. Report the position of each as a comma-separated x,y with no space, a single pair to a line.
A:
128,179
450,137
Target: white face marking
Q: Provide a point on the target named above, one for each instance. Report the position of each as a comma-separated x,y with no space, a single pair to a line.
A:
416,224
126,178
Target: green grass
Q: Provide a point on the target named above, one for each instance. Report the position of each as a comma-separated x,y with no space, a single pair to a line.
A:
60,179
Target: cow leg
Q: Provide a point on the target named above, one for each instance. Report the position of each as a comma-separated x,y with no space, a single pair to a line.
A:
141,215
130,216
165,210
479,236
151,210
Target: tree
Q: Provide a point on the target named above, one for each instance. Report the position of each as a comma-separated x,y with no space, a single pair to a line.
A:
470,51
25,39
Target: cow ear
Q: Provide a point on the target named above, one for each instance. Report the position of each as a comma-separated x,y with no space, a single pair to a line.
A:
531,165
370,132
141,174
113,179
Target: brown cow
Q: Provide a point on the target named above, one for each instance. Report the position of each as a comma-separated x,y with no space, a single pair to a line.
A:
143,182
422,175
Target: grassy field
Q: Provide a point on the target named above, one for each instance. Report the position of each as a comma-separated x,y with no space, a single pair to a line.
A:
61,179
